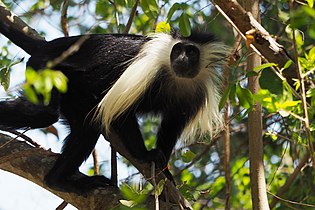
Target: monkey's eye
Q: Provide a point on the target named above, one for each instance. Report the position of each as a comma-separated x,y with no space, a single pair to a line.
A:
177,50
192,52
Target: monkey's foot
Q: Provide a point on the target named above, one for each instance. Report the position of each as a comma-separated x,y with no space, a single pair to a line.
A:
80,186
158,157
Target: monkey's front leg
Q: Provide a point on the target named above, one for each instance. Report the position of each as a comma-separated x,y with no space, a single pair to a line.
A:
128,130
170,130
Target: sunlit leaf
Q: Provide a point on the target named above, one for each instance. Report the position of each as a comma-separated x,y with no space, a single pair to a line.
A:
264,66
287,64
163,27
150,8
284,113
310,3
160,187
188,156
30,94
127,203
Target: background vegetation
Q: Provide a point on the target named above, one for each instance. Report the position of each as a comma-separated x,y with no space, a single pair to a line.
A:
288,103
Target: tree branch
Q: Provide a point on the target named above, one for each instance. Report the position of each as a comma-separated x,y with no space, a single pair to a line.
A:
9,18
33,164
263,41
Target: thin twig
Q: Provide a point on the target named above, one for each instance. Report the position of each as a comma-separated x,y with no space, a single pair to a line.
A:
96,164
292,202
20,135
290,180
26,138
70,51
64,14
62,205
305,120
131,17
156,196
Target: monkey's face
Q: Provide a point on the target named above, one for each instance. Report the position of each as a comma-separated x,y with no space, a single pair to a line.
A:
185,60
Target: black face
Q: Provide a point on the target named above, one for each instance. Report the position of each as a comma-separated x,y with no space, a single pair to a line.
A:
185,60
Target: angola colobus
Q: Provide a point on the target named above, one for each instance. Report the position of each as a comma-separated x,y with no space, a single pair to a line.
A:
113,79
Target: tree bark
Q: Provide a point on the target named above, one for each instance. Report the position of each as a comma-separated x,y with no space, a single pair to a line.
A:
243,21
255,129
32,163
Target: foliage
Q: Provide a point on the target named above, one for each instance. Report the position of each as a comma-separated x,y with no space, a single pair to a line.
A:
198,168
40,84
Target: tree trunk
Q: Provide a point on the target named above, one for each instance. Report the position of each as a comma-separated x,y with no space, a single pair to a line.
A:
256,155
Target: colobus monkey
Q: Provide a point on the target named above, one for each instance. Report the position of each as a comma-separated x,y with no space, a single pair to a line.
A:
114,79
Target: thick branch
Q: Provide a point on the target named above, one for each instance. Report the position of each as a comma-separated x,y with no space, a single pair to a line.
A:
264,42
9,18
33,163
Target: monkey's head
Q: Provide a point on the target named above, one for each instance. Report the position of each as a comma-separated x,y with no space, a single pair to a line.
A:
185,60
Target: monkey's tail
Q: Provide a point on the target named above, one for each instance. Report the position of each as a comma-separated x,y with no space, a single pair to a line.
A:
20,38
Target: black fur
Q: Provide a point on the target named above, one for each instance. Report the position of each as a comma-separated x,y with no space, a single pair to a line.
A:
91,72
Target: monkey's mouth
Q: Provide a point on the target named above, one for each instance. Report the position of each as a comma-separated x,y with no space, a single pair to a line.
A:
185,70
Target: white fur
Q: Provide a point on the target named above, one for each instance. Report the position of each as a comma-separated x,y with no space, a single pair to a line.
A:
209,119
141,72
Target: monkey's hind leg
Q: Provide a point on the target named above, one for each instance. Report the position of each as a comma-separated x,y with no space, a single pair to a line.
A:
78,146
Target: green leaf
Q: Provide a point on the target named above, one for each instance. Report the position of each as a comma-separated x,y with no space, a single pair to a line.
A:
284,113
160,187
5,73
31,75
5,78
233,93
172,10
188,156
44,81
264,66
30,93
270,81
150,8
287,104
245,97
310,3
310,92
60,81
127,203
225,97
287,64
128,192
132,195
184,25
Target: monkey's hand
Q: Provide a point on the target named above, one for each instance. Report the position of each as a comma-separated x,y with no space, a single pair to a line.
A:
158,157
